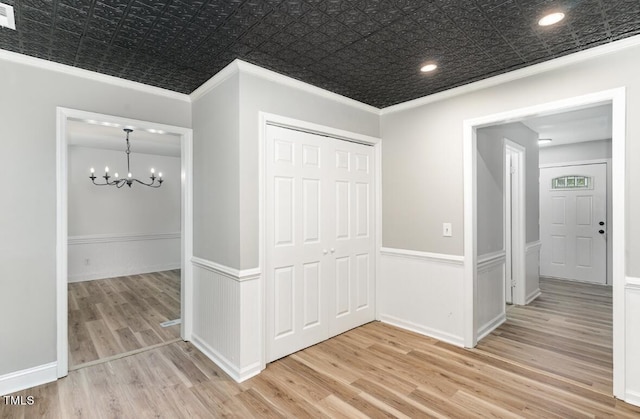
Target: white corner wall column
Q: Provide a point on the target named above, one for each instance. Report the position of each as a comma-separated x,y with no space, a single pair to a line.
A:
62,239
626,340
226,317
420,291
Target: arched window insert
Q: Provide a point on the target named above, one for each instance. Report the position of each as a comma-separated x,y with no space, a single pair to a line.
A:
572,182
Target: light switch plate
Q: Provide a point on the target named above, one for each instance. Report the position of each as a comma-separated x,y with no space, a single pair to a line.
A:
446,229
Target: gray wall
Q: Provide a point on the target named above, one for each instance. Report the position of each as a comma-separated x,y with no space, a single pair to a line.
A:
490,178
216,175
97,210
422,152
590,150
260,94
28,211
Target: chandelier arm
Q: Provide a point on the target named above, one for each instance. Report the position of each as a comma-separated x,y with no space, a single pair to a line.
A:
151,184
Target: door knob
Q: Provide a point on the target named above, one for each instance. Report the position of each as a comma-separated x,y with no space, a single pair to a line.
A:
324,251
601,223
601,231
333,250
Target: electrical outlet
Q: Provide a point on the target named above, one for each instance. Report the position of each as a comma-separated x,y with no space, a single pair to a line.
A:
446,230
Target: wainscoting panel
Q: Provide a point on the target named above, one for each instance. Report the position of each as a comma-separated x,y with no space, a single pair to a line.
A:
490,302
108,256
632,340
532,271
422,292
226,318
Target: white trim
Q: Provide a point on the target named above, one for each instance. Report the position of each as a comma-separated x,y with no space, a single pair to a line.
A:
517,252
64,114
426,256
228,71
532,70
117,238
532,246
489,260
418,328
574,163
231,273
632,282
492,325
238,66
532,296
312,128
90,75
617,98
238,374
632,397
27,378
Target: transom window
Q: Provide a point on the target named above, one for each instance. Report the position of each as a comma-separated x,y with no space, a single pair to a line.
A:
571,182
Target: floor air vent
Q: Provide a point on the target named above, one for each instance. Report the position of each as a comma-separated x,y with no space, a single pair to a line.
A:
7,19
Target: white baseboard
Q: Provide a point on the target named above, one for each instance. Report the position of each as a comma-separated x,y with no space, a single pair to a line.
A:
491,325
632,397
437,334
535,294
114,273
31,377
238,374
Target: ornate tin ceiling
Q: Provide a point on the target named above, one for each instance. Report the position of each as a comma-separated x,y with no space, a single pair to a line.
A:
368,50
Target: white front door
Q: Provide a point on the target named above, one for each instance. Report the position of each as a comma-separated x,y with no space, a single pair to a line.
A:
573,230
319,254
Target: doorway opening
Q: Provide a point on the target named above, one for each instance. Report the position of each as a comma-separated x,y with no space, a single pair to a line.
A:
117,276
472,288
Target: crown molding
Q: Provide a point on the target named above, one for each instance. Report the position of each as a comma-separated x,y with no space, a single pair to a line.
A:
239,66
90,75
230,70
529,71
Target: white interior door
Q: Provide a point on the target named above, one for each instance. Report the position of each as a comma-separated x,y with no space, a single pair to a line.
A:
573,215
319,254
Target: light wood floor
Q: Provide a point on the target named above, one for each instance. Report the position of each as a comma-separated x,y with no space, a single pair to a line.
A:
567,331
117,315
374,371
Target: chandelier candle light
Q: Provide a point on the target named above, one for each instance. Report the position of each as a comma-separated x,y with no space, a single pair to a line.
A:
156,182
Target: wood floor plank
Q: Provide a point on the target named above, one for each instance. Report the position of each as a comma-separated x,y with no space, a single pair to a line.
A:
374,371
567,331
130,309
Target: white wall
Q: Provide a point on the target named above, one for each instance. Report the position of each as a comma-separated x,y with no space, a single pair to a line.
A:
122,231
590,150
28,214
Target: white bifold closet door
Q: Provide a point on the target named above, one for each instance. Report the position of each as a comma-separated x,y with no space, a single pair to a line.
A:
319,253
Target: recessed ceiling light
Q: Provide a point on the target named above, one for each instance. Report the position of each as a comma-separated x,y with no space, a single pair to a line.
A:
544,141
428,67
551,19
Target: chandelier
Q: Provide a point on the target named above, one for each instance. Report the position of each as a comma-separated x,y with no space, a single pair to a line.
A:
156,182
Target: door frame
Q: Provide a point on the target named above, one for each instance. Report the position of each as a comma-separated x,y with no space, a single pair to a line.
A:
186,283
617,98
515,229
265,119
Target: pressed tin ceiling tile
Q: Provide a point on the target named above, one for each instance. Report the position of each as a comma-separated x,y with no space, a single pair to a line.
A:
369,50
